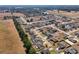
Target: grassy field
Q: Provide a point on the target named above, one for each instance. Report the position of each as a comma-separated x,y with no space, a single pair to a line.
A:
10,41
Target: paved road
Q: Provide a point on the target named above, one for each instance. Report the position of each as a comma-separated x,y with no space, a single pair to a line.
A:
23,20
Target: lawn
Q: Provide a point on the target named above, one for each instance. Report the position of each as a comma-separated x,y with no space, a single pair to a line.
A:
53,52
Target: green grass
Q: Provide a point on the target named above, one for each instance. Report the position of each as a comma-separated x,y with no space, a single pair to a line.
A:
53,52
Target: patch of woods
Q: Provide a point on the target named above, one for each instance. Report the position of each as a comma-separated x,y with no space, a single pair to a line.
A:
24,38
7,17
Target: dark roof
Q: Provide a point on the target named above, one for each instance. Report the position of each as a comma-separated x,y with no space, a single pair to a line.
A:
45,51
71,51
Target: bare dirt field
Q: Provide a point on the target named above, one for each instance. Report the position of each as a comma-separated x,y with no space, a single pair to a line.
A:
64,13
9,14
10,42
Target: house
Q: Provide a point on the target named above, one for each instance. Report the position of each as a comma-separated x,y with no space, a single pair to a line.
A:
70,51
61,45
77,34
72,39
45,51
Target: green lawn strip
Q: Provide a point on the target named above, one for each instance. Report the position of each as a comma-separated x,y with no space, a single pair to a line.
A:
53,52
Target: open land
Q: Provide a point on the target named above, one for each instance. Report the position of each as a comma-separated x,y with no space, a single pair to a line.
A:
10,42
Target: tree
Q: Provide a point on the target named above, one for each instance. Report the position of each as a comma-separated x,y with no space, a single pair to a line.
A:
32,51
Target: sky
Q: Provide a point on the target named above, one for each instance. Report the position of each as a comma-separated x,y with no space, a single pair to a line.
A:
39,2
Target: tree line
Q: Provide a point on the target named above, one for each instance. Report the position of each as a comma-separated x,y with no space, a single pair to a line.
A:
24,38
